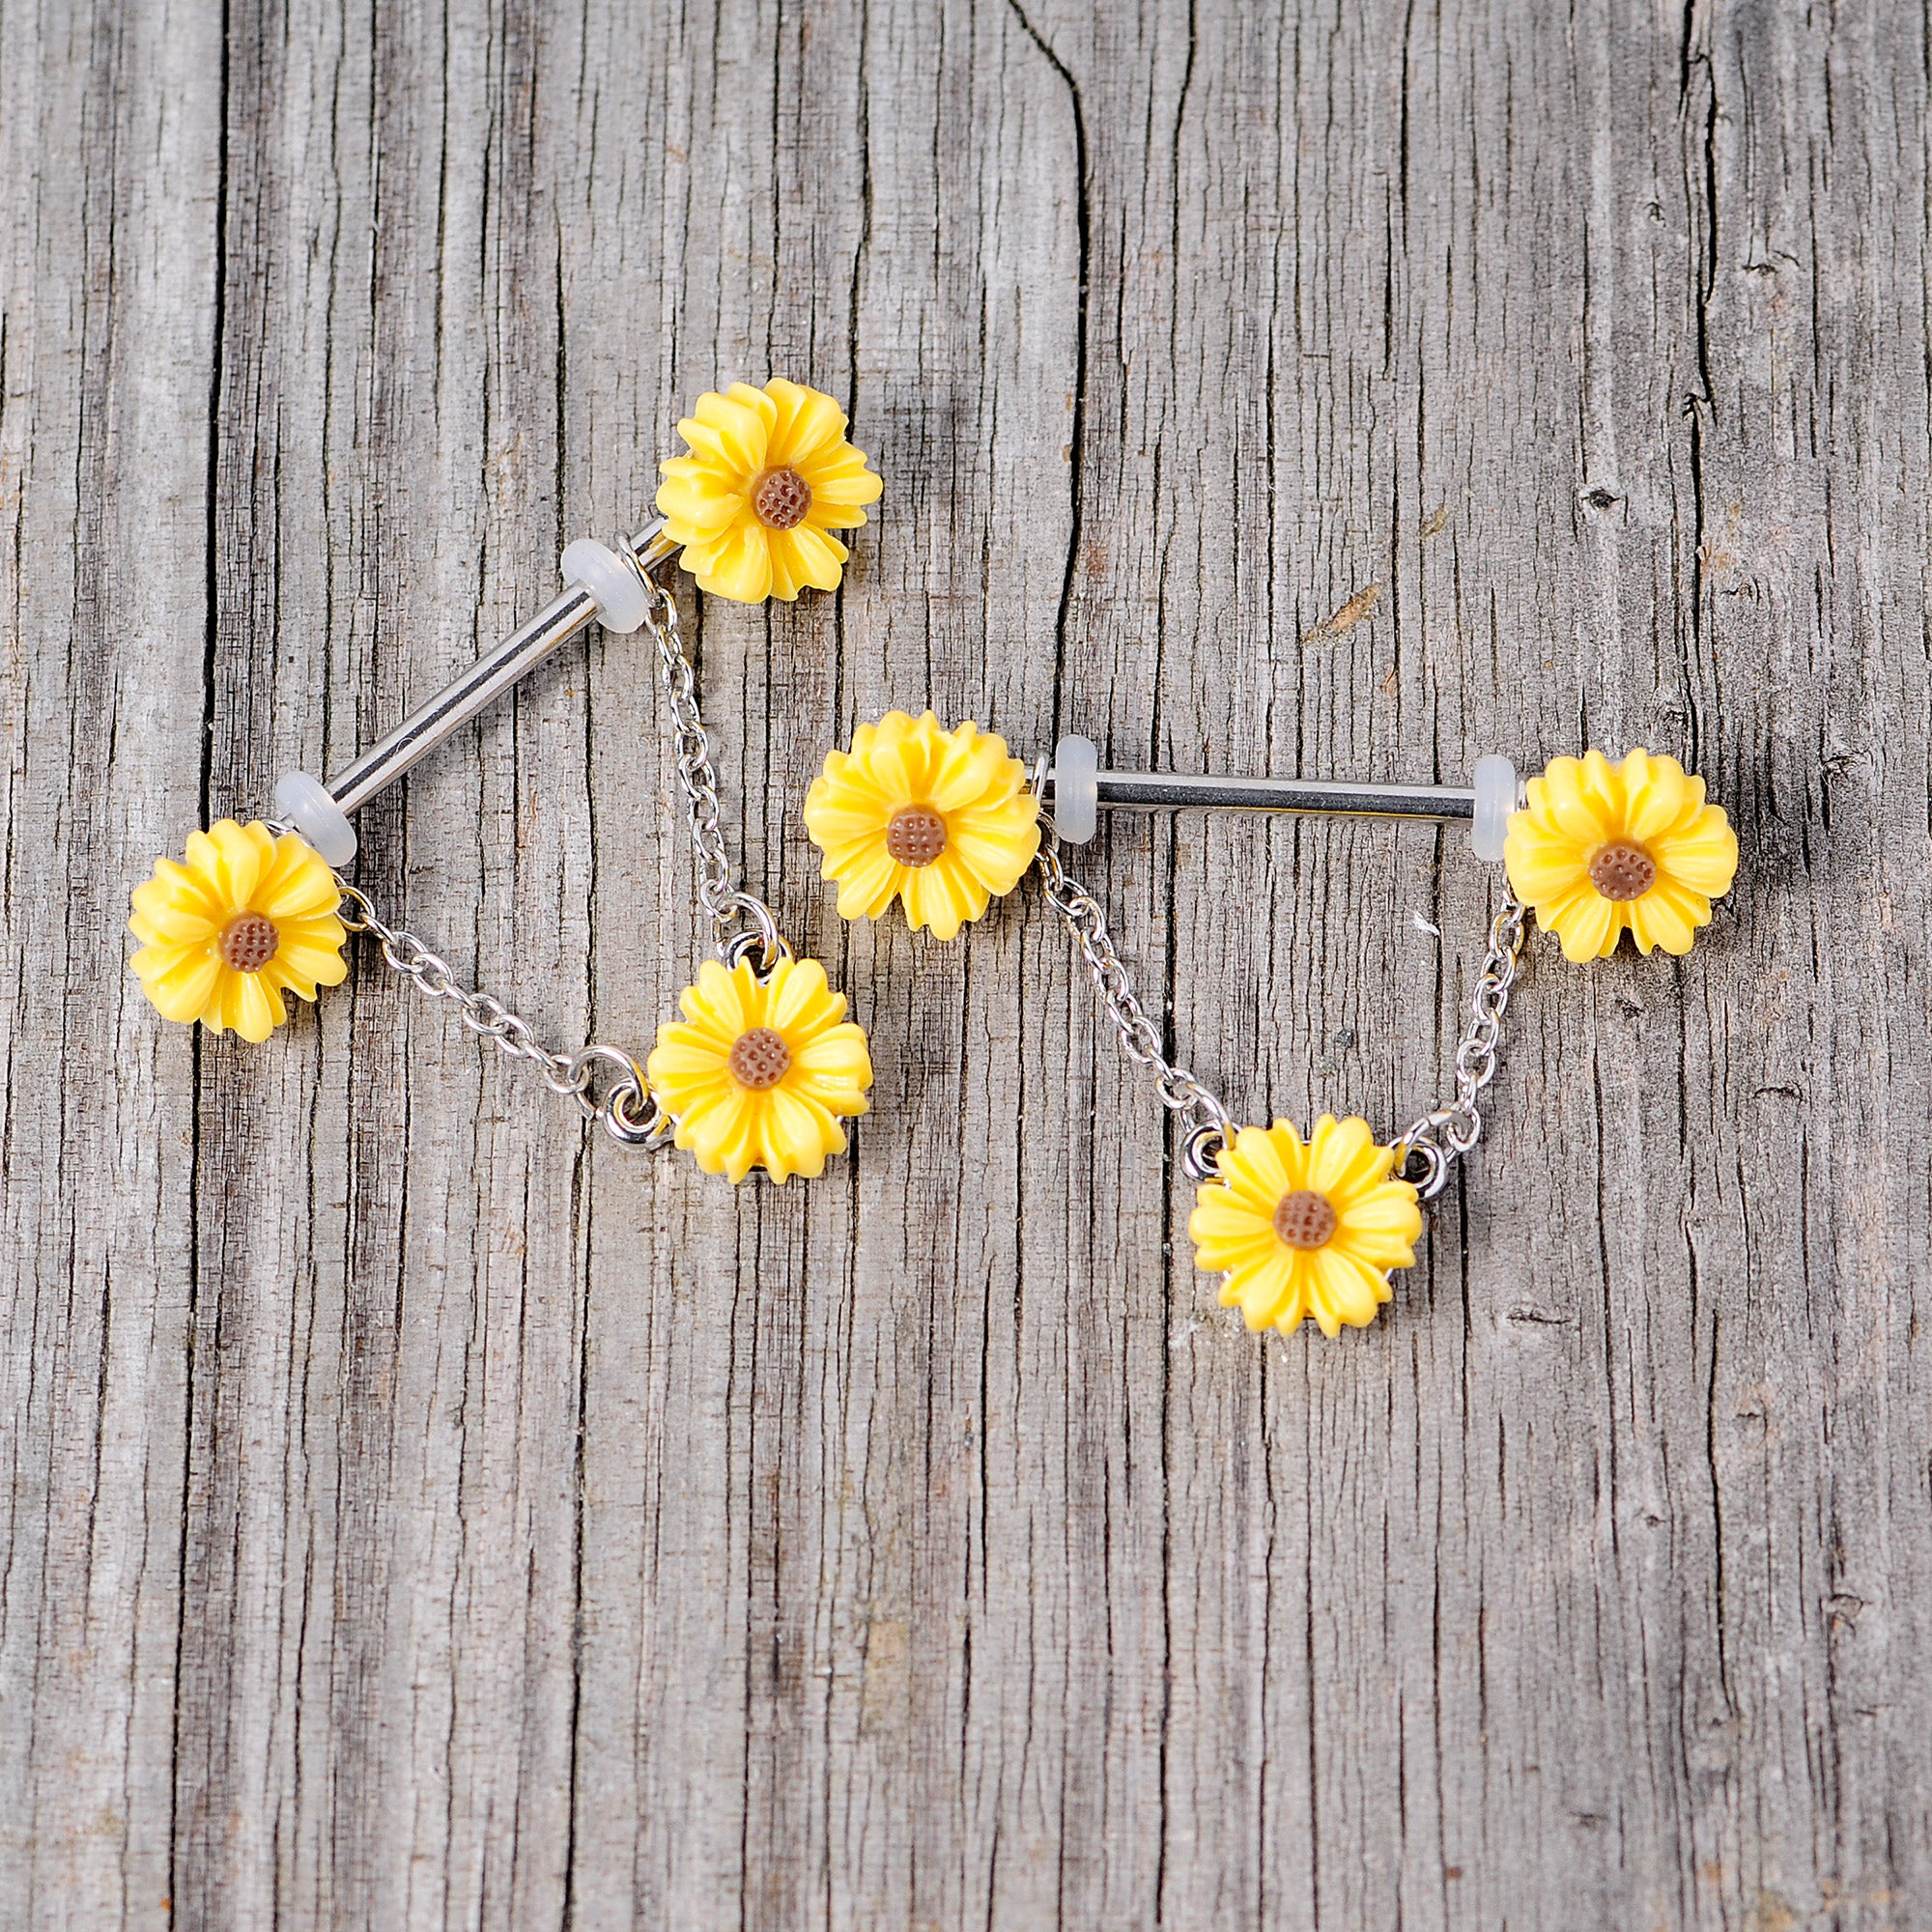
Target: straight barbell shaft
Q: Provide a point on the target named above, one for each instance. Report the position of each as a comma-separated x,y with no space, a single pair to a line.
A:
1175,791
431,724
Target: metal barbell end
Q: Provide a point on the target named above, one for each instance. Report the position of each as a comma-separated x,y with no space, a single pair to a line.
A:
1080,787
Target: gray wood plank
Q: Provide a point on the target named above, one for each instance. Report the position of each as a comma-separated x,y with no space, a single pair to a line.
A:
110,130
421,1512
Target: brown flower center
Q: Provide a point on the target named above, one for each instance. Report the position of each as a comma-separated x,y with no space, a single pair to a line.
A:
759,1058
1305,1219
249,942
917,835
782,499
1623,871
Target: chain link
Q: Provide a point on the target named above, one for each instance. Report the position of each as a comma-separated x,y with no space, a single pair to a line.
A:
1438,1138
1204,1122
717,894
626,1109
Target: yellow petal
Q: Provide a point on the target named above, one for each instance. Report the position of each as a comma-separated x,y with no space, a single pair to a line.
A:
841,463
997,859
228,860
1276,1161
1666,917
323,931
762,405
720,1130
941,897
168,914
739,428
685,1059
835,504
741,568
1347,1291
1654,791
1341,1155
798,1135
1389,1209
180,885
179,980
797,1000
845,813
811,558
1268,1292
806,422
304,969
1220,1215
698,506
251,1006
1702,856
296,884
1541,865
834,1068
1378,1249
1585,923
897,763
1570,796
869,881
785,579
723,1003
1237,1253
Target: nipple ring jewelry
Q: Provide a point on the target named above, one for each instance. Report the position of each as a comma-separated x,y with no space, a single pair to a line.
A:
947,821
764,1065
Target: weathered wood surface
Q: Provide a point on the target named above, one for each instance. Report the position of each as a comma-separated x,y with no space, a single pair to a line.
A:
419,1512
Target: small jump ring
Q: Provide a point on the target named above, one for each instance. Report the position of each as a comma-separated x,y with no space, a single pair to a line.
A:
646,1126
762,934
1201,1152
1435,1174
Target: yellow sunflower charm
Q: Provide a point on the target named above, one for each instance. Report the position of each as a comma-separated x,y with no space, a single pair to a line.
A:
1306,1229
1602,849
939,820
759,1071
769,478
247,916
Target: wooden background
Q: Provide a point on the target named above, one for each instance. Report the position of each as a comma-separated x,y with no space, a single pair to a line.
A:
419,1512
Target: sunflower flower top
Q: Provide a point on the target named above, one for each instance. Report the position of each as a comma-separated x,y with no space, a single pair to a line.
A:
769,478
939,820
1602,849
759,1071
243,916
1306,1229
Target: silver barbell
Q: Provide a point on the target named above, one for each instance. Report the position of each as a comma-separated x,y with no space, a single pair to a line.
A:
1080,788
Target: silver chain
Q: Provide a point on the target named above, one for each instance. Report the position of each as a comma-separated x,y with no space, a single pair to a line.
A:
1205,1124
1450,1131
629,1114
716,895
626,1110
1437,1139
